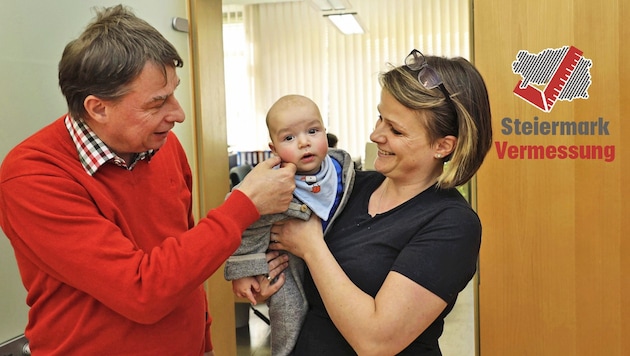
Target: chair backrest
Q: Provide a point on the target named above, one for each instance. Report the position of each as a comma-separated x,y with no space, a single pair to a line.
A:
370,156
237,173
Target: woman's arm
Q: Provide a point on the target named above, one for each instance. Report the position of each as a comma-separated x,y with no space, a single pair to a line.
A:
384,325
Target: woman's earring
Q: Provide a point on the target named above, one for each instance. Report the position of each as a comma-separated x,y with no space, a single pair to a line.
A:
438,155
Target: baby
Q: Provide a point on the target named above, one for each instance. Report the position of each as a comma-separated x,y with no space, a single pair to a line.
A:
324,178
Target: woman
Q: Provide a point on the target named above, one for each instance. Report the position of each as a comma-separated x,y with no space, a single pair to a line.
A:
407,242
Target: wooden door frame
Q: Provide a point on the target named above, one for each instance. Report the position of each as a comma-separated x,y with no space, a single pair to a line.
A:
206,36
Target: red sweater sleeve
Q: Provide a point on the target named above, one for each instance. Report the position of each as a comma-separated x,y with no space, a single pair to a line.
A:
47,233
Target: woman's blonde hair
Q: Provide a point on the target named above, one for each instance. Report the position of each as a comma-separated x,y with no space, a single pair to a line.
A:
465,114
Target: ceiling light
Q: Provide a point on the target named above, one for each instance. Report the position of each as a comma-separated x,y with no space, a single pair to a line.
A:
346,23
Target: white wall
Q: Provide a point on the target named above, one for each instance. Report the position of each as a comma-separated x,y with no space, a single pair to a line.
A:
34,33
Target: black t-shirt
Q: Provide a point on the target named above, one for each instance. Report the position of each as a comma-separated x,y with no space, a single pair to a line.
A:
433,239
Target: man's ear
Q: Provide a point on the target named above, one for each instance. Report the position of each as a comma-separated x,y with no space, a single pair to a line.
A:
445,145
95,108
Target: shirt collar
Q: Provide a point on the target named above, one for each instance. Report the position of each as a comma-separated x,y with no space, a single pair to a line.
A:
93,152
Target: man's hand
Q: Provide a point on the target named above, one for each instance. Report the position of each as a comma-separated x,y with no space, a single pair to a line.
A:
270,189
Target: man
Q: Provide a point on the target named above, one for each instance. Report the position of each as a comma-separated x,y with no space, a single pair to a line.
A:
98,205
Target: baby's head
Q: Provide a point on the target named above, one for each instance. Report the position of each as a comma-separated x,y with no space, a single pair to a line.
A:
297,133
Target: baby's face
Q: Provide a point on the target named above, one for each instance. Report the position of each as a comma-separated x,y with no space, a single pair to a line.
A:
298,136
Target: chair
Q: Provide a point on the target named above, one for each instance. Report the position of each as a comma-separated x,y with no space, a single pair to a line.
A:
237,173
370,156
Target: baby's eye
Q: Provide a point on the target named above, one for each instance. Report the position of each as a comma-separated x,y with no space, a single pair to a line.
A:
313,131
289,138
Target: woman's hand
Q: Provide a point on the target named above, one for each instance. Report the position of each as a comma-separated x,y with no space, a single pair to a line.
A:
270,283
296,236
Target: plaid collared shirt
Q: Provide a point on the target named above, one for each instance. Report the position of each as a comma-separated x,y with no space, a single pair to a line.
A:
93,152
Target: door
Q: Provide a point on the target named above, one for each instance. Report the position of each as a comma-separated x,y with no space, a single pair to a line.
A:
553,192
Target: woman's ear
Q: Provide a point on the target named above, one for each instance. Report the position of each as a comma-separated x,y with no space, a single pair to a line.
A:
95,108
445,146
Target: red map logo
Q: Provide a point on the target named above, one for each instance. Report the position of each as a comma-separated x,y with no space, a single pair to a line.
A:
562,74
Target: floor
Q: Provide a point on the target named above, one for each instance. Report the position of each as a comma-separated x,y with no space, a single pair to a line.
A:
458,339
253,339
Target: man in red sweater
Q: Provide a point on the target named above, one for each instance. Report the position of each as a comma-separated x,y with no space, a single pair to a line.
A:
98,205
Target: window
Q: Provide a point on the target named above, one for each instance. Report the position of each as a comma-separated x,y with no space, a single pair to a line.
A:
274,49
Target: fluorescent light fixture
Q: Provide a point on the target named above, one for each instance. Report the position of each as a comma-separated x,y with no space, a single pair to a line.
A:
346,23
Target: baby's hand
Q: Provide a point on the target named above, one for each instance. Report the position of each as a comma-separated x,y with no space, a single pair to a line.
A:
246,287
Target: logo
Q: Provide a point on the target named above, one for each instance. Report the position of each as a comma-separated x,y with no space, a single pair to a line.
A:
563,73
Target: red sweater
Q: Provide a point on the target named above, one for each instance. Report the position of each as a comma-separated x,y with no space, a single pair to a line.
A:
113,263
